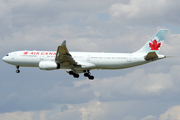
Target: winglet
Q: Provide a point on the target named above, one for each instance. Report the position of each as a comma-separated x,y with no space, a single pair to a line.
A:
63,43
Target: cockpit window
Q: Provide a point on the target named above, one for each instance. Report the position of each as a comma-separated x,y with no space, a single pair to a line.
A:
7,55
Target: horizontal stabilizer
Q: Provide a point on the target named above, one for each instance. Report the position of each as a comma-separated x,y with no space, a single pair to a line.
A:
170,56
150,56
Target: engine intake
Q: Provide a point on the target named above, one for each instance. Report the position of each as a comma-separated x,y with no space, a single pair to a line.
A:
49,65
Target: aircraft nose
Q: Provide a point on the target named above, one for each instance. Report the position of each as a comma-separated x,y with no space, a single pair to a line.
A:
4,58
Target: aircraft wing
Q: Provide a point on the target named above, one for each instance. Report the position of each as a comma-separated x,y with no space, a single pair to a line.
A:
63,56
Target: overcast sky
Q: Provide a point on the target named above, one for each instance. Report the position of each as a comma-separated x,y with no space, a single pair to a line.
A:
147,92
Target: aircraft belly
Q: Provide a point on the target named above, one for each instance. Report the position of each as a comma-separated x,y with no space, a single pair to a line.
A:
25,62
110,64
120,64
28,64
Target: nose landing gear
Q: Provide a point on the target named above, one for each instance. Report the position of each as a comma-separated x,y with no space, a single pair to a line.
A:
17,71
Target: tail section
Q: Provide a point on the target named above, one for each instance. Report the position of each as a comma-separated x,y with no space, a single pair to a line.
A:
155,43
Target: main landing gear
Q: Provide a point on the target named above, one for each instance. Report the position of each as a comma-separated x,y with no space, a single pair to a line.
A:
74,74
88,74
17,71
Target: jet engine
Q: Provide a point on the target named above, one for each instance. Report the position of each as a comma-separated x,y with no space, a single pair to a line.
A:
49,65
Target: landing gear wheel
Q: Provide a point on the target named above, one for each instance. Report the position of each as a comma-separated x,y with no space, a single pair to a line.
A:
17,71
76,75
86,74
71,73
91,77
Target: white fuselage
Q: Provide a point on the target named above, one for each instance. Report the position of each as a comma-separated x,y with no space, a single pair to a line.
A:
83,62
92,60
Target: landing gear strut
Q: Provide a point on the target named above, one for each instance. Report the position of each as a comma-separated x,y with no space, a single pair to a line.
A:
88,74
74,74
17,71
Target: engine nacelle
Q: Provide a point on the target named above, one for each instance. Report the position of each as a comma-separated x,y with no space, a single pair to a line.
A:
49,65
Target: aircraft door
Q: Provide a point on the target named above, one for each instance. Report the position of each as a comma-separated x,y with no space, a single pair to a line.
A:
129,58
88,57
12,55
41,57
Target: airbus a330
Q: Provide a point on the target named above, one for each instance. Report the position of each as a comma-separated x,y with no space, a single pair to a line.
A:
83,62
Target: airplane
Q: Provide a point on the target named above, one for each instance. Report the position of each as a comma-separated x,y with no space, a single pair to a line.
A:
83,62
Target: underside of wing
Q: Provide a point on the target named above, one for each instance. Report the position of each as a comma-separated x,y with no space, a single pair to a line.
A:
63,56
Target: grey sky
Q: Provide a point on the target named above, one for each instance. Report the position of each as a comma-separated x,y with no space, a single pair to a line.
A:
148,92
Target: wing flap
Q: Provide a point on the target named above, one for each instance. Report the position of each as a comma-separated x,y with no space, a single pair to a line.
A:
86,65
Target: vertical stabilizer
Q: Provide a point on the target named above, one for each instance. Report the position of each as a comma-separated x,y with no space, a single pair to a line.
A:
155,43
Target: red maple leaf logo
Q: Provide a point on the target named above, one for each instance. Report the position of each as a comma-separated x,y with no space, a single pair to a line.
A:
154,45
25,53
